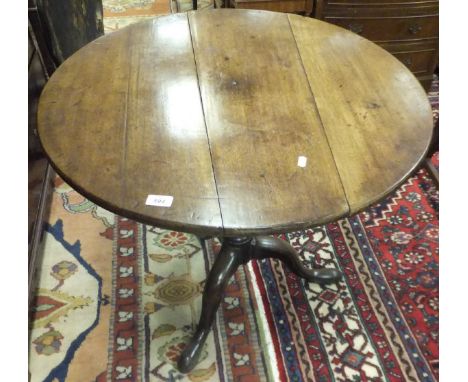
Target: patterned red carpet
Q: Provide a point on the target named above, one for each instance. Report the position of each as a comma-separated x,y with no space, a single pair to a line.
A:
117,300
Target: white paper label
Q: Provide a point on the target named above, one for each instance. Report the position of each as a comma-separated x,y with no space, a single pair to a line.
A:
302,161
159,200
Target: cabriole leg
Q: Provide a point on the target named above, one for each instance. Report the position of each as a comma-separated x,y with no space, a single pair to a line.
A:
267,246
233,253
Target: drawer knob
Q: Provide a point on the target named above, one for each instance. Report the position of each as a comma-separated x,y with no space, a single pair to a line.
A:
414,28
407,61
356,28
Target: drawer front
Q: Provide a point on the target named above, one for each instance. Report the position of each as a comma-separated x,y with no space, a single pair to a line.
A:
418,62
426,81
390,28
288,6
379,10
420,57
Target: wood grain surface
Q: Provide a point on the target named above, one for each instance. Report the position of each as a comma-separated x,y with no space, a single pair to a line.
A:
260,117
122,119
376,116
215,107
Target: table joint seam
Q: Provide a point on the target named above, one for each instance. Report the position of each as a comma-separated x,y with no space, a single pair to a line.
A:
204,117
125,132
318,111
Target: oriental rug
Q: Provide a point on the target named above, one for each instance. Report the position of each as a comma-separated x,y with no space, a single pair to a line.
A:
120,13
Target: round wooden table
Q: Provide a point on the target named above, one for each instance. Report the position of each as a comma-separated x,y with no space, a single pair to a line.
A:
234,123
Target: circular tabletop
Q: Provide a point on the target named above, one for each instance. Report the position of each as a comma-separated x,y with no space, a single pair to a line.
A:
252,121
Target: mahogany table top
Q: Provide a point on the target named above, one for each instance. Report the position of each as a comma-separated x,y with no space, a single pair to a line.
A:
253,121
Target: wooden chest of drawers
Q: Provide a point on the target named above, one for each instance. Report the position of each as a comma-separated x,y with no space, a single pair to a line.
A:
408,29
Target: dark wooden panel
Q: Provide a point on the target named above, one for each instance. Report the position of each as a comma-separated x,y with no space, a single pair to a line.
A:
38,39
70,24
380,9
31,49
289,6
395,25
420,57
36,81
39,201
426,81
389,28
418,62
367,3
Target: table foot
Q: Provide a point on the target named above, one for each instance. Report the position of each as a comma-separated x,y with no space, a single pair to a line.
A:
267,246
234,252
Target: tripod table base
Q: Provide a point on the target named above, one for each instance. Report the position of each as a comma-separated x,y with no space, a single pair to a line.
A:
234,252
